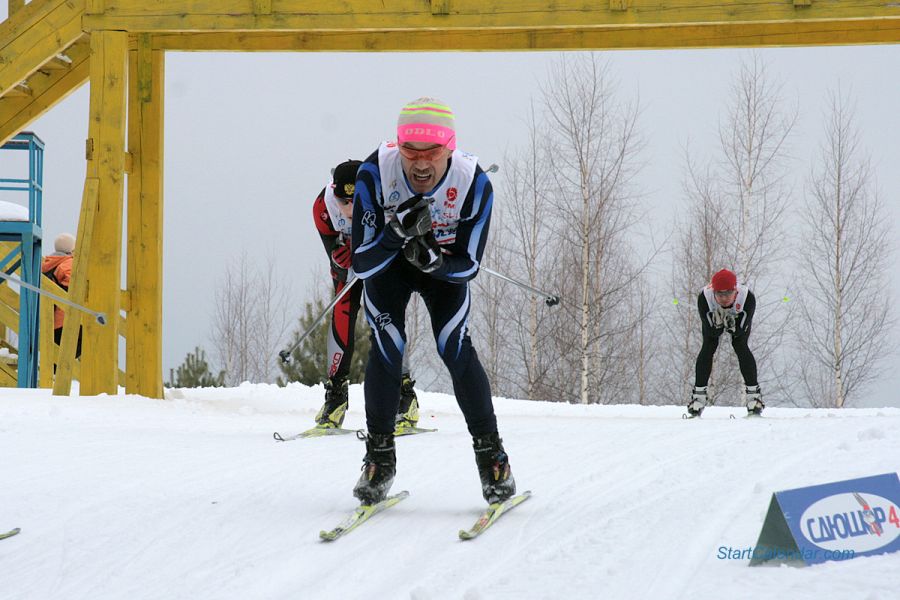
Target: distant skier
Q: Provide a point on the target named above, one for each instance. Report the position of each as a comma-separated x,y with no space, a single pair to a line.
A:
725,305
420,223
333,215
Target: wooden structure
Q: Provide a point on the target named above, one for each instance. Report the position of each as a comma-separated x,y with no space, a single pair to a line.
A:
50,47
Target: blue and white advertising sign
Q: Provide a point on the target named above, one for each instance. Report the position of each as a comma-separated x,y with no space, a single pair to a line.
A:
841,520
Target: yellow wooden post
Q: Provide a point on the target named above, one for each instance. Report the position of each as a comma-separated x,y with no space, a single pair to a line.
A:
106,159
78,283
143,345
15,5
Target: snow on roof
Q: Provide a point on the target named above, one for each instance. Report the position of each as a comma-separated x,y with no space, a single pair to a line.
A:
10,211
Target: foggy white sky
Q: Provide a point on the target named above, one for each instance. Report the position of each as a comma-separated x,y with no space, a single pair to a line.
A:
250,139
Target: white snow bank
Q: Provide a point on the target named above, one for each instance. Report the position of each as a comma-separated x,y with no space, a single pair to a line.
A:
190,497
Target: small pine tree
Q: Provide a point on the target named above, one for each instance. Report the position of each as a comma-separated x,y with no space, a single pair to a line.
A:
309,363
194,372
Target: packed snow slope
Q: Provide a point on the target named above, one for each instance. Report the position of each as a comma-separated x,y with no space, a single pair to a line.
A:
124,497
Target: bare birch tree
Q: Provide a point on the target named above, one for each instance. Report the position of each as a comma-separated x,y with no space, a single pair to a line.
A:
519,248
489,315
249,321
846,250
593,147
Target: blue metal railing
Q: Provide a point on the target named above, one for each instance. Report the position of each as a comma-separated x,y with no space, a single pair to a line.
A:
27,236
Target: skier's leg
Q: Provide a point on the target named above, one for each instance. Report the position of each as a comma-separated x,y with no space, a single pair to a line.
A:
384,301
747,364
339,355
746,361
703,366
408,413
448,306
341,337
702,370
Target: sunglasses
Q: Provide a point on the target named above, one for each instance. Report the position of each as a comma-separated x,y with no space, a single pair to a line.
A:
725,293
426,154
344,201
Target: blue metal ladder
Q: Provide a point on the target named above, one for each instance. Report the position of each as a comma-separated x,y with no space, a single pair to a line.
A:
27,253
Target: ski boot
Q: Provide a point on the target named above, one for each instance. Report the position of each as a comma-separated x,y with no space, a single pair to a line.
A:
755,404
698,401
497,483
331,415
408,413
379,468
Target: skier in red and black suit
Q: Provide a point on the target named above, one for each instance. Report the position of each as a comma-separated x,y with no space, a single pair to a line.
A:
726,305
333,216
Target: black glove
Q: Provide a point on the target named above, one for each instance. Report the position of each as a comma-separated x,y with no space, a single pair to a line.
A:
740,323
413,218
730,321
716,323
424,253
341,259
715,319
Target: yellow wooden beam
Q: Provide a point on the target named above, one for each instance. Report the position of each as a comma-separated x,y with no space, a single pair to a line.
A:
106,130
48,89
9,313
720,35
34,35
442,15
8,375
15,6
143,346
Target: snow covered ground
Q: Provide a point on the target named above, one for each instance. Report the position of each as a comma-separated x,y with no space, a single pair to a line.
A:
124,497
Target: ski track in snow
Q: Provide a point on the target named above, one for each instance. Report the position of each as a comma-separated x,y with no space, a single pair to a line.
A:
125,497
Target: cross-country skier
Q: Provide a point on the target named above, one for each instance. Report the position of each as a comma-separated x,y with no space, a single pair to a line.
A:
333,215
725,305
421,216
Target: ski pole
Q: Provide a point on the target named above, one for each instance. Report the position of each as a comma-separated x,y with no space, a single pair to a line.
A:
101,318
286,354
549,299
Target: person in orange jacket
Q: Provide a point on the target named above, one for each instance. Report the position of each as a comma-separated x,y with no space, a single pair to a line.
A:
58,267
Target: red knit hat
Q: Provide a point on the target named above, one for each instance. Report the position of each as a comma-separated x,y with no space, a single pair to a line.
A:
724,280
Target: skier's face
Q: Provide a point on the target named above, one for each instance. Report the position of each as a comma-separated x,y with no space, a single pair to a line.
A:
345,205
424,164
725,298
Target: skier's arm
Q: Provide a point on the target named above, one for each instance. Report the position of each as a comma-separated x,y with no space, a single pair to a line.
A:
323,225
464,257
745,317
375,246
707,321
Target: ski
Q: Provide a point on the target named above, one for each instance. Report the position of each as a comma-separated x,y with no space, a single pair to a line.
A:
406,430
399,431
360,516
490,516
9,533
314,432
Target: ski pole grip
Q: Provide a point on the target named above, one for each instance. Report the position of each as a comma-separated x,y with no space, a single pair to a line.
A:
101,318
285,356
552,300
